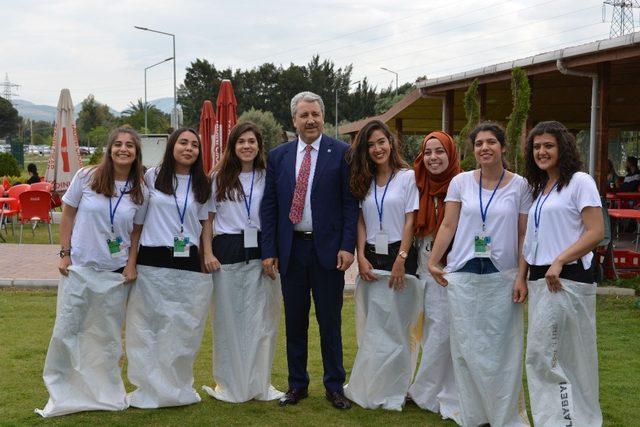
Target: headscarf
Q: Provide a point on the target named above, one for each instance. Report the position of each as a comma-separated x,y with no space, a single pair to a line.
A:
434,186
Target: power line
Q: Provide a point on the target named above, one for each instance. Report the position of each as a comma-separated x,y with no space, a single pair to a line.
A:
622,19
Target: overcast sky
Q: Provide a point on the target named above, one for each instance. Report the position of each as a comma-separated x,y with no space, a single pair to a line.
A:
91,46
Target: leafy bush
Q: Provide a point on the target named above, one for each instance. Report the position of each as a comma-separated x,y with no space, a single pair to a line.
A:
266,121
8,165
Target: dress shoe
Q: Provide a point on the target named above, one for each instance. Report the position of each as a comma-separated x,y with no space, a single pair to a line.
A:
293,396
338,400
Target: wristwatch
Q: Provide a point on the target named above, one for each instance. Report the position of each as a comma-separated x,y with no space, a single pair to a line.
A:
64,252
402,254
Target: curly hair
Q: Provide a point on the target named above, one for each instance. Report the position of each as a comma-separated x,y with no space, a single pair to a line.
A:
362,168
568,157
227,171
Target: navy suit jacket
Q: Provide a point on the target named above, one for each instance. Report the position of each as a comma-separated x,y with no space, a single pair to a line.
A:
334,209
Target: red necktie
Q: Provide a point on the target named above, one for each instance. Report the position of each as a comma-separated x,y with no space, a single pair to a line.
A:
297,206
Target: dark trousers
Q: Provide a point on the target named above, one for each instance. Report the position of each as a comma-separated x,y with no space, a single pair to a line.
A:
478,266
575,272
305,277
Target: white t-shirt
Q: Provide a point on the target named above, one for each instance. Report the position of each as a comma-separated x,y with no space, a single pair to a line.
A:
231,216
512,199
92,226
560,220
401,198
163,220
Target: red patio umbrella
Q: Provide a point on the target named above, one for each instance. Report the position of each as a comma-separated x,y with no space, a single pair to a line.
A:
226,118
206,130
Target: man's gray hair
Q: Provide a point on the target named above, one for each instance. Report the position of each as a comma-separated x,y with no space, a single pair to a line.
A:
306,96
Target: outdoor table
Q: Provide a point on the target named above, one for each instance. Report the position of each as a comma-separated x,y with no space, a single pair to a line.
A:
625,214
615,199
3,202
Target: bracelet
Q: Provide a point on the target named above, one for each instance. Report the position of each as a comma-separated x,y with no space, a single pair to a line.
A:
64,252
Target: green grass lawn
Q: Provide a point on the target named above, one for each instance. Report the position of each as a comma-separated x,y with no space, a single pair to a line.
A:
27,319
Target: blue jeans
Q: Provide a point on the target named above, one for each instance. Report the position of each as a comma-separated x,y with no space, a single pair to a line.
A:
478,266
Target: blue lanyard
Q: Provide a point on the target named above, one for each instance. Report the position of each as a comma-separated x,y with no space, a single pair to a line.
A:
184,208
538,212
112,210
248,204
483,213
380,206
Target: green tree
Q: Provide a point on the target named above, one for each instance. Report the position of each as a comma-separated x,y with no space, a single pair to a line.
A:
269,127
157,121
201,82
97,137
9,118
471,106
92,114
387,97
521,96
8,165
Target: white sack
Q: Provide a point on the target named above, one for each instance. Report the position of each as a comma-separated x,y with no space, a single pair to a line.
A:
487,348
246,318
388,327
166,316
82,371
562,358
434,387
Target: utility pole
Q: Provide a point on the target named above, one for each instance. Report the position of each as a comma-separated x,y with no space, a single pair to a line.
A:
622,18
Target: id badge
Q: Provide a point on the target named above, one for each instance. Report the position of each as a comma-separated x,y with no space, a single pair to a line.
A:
482,246
250,236
115,246
181,247
382,243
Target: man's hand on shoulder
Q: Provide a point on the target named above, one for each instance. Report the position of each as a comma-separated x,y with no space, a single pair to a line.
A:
345,259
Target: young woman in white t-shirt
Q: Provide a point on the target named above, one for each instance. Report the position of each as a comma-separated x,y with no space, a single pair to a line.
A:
102,216
565,225
168,306
246,304
434,387
385,186
485,218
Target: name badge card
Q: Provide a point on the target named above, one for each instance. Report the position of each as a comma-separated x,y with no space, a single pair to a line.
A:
382,243
482,246
115,246
181,247
250,236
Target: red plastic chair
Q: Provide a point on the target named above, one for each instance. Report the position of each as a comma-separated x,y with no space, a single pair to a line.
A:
42,186
14,207
34,206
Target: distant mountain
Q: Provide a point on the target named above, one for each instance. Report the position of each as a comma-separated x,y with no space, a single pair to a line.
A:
32,111
163,104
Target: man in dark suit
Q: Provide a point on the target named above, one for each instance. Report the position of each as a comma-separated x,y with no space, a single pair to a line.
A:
308,218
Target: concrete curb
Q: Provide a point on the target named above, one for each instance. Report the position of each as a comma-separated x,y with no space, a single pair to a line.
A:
614,290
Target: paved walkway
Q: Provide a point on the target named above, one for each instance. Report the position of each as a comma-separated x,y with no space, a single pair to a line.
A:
36,266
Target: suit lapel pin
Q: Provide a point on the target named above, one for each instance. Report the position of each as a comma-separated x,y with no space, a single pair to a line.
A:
328,150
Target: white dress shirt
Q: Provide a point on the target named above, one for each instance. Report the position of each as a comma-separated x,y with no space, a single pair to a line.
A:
307,223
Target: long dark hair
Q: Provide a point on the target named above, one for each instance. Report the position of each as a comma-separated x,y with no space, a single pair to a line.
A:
228,170
102,179
166,179
568,157
362,167
497,131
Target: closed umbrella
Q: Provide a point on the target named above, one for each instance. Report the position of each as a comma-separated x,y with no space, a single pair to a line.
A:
206,129
64,160
226,118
